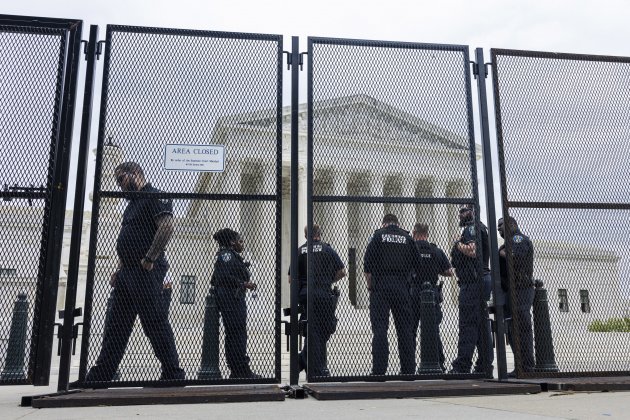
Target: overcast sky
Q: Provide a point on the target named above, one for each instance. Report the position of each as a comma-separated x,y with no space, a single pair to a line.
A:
578,26
585,26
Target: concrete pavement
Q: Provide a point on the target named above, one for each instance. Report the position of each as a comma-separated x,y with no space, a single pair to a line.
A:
546,405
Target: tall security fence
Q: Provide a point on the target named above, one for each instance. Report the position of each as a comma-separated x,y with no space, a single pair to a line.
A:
198,178
189,154
38,73
563,122
390,131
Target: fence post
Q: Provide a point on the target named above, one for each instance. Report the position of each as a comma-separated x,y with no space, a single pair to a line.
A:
429,333
545,356
210,348
14,365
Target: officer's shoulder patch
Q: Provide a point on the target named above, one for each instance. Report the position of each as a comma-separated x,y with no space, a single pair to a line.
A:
471,229
226,256
518,239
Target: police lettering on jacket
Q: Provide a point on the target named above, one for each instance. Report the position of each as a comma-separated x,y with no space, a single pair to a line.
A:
391,251
434,262
326,263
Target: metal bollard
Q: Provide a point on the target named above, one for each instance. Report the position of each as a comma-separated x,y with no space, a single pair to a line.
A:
210,351
14,364
429,333
545,355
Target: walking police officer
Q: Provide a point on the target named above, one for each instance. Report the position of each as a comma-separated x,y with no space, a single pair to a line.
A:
519,300
147,227
327,270
390,259
475,286
435,263
230,279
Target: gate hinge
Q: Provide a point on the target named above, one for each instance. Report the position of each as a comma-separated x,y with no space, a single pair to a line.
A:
475,69
300,59
99,49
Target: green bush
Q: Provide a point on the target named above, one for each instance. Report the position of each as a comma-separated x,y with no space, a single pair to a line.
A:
609,325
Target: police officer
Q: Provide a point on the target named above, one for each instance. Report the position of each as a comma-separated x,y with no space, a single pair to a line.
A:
519,300
147,227
327,270
230,279
390,259
474,292
435,263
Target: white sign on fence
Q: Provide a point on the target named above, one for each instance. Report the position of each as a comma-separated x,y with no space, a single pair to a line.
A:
194,157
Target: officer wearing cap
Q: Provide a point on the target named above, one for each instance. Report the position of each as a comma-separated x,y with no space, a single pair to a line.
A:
231,278
390,259
435,263
521,298
475,286
138,283
327,270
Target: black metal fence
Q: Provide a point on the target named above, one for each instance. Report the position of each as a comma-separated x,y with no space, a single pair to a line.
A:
563,122
38,73
390,130
200,113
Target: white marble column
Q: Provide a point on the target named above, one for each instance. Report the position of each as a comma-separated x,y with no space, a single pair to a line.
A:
363,220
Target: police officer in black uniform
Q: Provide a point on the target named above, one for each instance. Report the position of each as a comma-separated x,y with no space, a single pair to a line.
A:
230,279
520,300
475,287
327,270
147,227
435,263
390,259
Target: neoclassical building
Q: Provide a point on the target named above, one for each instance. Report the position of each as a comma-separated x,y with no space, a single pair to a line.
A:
351,133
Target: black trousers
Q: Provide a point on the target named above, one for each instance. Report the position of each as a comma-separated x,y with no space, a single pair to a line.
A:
520,315
391,293
137,293
416,302
233,311
321,325
474,326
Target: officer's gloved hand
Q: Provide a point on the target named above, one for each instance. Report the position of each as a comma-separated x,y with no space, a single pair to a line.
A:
250,285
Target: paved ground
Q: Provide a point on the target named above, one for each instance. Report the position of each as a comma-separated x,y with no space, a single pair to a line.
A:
615,405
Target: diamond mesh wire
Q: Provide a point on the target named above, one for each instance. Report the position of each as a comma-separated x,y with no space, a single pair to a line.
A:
191,88
563,130
390,133
31,71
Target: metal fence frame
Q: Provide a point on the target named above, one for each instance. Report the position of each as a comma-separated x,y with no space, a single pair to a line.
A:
508,204
98,195
38,370
311,198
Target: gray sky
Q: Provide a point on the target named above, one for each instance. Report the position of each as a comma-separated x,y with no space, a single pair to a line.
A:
585,26
579,26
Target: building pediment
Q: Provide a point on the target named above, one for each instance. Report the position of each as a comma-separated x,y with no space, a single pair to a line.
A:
358,117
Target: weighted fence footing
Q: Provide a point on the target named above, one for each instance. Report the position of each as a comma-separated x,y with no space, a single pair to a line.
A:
210,351
545,355
14,365
294,391
429,333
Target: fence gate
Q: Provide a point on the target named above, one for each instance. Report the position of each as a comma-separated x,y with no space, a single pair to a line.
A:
390,130
39,60
563,124
200,113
